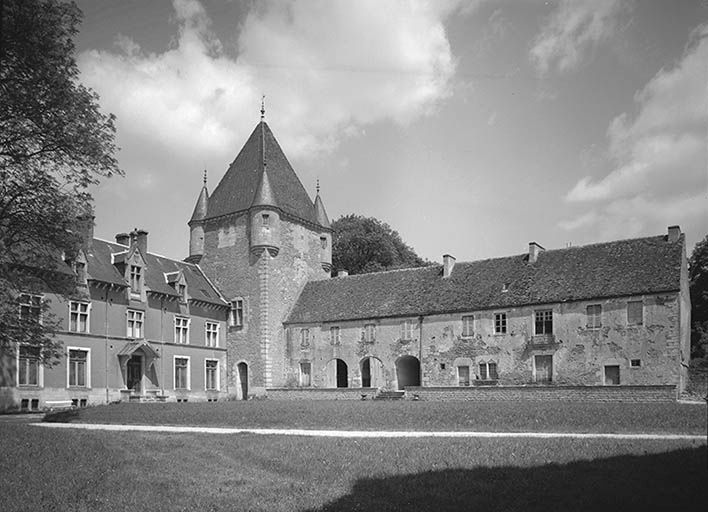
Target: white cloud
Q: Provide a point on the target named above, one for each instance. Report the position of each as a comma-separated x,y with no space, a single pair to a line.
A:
574,28
327,67
660,154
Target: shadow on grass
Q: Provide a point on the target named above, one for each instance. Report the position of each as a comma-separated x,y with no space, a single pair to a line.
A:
665,481
63,416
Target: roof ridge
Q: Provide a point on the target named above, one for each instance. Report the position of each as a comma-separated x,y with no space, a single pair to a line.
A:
375,273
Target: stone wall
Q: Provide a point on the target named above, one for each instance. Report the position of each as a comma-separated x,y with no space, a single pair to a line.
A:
321,393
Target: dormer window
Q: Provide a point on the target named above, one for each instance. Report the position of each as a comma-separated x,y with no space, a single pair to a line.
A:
265,220
182,290
135,279
80,271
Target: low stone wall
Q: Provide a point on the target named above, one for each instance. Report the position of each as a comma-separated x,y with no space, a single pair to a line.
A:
545,393
320,393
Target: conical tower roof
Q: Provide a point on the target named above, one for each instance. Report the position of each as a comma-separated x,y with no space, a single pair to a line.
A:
246,182
200,209
320,212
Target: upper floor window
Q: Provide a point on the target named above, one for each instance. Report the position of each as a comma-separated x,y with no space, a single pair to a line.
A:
30,307
28,366
323,242
635,312
594,316
488,371
135,279
135,324
369,333
500,323
304,338
181,329
334,336
78,316
265,220
544,321
211,334
406,330
468,325
236,313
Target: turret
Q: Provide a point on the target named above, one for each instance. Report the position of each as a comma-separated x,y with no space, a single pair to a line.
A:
196,225
325,233
265,219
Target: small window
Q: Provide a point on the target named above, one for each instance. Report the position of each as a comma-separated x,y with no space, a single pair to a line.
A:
468,325
30,307
323,242
211,374
594,316
635,312
544,321
135,324
305,374
334,336
236,313
135,279
211,333
265,220
181,329
28,366
463,375
368,334
406,330
612,375
181,373
80,270
635,363
488,371
443,366
304,338
500,323
78,368
182,290
78,316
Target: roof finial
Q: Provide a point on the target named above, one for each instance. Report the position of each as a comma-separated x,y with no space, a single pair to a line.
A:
318,186
262,107
205,177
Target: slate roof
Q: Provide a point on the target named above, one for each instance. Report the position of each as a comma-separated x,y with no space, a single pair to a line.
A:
101,268
612,269
237,190
200,209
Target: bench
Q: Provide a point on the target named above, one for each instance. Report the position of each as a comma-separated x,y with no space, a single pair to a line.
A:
58,404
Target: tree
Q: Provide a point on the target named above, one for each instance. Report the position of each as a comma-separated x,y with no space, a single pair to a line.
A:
54,143
698,282
365,244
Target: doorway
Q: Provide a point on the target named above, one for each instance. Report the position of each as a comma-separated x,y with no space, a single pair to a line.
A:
242,369
408,371
544,369
135,374
337,374
371,372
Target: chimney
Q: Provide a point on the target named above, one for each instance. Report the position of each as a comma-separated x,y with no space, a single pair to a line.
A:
123,239
674,233
342,273
85,227
141,238
448,264
534,250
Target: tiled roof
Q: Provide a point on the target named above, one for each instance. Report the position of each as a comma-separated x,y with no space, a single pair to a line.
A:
100,268
626,267
238,188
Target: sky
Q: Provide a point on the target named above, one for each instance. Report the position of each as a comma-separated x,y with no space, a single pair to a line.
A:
471,128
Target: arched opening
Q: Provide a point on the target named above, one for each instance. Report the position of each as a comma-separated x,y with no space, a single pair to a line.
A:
408,371
337,374
242,370
371,372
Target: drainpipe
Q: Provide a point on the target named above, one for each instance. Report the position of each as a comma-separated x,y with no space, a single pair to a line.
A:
162,346
105,330
420,348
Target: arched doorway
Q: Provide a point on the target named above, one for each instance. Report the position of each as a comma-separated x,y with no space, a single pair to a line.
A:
242,372
408,371
337,374
371,372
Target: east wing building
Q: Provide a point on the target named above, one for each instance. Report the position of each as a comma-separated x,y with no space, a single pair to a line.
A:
254,311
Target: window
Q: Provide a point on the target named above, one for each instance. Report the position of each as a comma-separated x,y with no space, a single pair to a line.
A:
463,375
323,242
594,315
30,307
334,336
182,290
500,323
543,367
406,328
635,363
135,279
468,325
80,270
78,316
28,366
635,312
211,374
612,375
236,314
181,372
78,367
544,321
181,329
211,334
304,338
368,334
488,371
265,218
305,374
135,324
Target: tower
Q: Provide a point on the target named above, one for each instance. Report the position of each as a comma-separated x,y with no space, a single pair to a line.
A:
196,224
263,240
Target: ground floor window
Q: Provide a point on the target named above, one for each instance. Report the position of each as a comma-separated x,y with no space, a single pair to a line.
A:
181,373
78,367
305,374
488,371
544,369
612,375
463,375
211,372
28,366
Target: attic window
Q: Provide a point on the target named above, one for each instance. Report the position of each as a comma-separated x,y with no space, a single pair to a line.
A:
182,290
135,279
80,270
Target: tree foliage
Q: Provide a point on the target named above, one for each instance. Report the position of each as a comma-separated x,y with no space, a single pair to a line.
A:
365,244
54,143
698,280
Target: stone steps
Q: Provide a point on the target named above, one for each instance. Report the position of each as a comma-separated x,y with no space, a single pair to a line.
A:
390,395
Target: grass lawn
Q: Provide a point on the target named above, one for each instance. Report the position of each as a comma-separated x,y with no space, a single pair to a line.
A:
47,469
408,415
